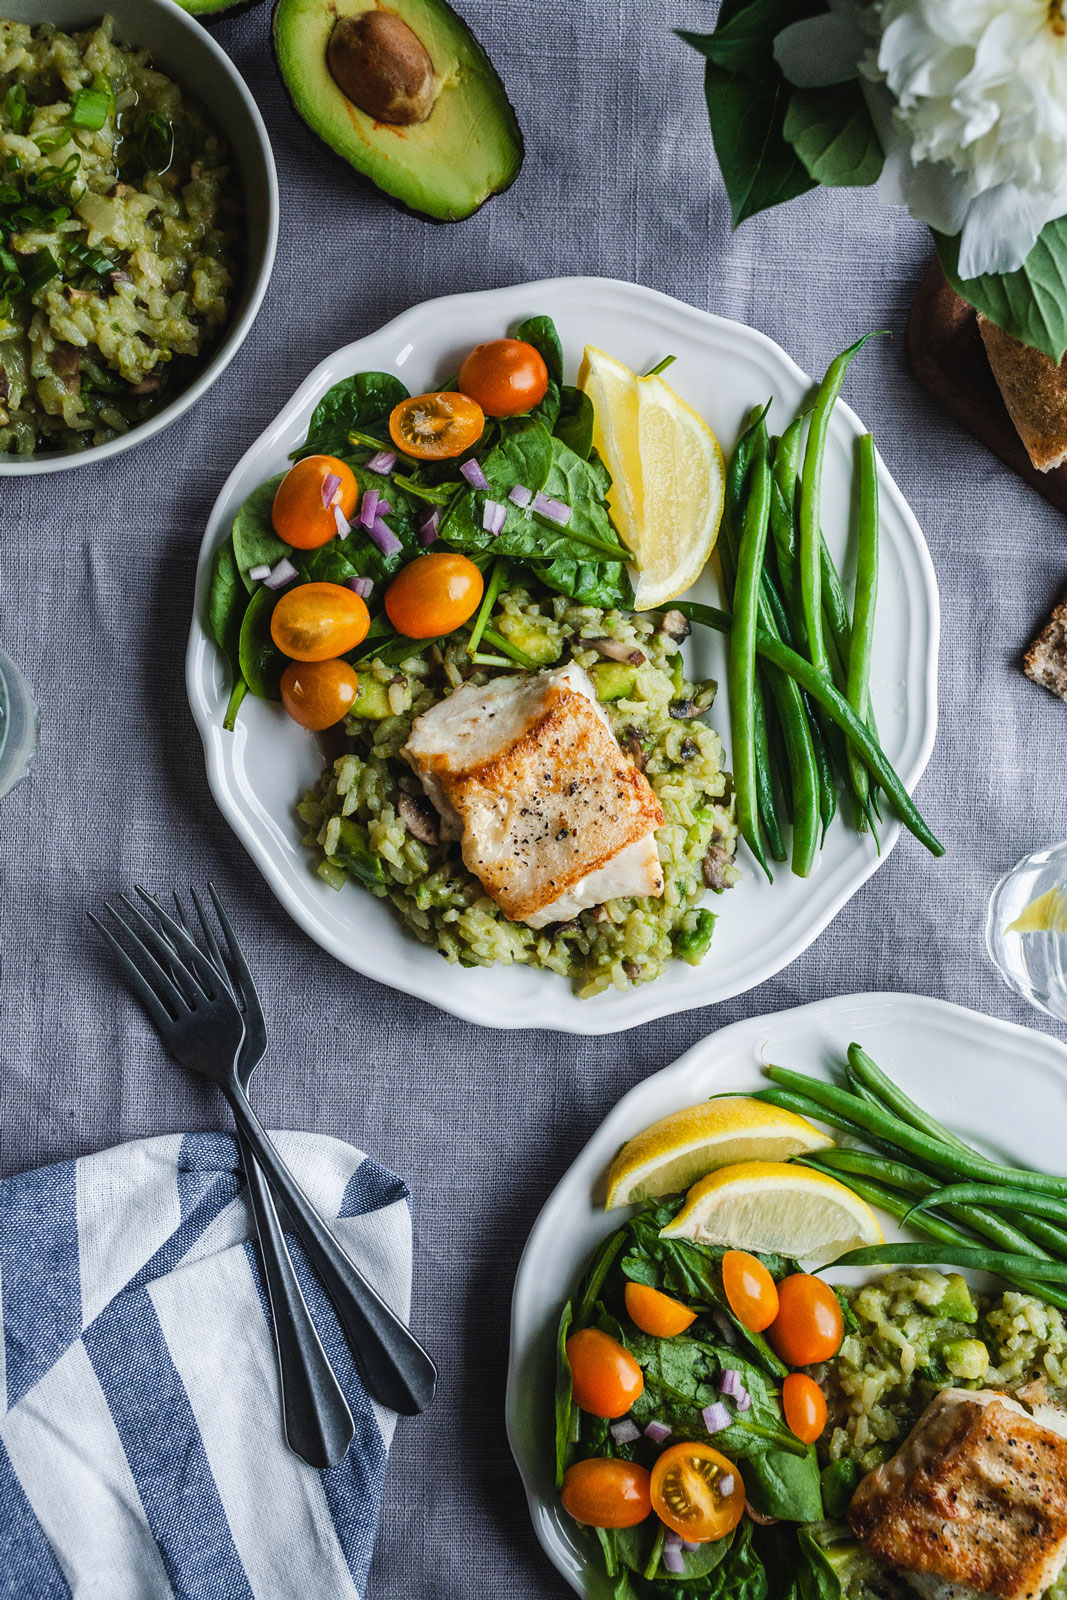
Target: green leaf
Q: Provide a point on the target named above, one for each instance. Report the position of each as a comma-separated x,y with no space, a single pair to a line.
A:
362,401
541,333
744,34
255,543
564,1394
262,663
760,169
227,602
1030,304
574,424
832,133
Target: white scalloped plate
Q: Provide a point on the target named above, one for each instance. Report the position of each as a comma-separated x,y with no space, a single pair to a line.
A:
997,1085
259,772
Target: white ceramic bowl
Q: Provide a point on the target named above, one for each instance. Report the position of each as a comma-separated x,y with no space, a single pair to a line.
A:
259,772
186,52
997,1085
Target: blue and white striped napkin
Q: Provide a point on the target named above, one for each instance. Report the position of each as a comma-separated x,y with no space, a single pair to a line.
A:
141,1451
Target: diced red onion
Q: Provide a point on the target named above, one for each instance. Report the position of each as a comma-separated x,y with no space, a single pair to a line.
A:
725,1326
726,1485
384,509
554,510
330,485
257,574
282,573
384,538
341,522
625,1432
428,527
520,495
494,516
730,1384
382,461
364,587
368,507
689,1544
672,1560
474,475
657,1431
716,1417
672,1540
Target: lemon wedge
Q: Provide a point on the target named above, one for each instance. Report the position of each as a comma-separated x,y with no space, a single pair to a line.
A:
667,475
674,1152
775,1206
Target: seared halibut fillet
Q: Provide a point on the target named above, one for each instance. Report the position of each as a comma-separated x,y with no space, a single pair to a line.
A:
975,1499
553,816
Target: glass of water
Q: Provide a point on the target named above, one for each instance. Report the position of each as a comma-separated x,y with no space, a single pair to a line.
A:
1026,929
18,725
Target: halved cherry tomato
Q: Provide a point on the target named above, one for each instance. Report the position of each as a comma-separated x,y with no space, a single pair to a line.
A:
605,1493
432,427
317,621
433,595
655,1312
697,1492
804,1405
300,514
750,1291
605,1376
809,1326
318,693
505,376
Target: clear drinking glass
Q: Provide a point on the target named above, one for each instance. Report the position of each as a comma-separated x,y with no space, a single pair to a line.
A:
1032,957
18,725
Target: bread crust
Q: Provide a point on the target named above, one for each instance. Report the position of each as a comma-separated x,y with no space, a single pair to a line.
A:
1035,392
1046,660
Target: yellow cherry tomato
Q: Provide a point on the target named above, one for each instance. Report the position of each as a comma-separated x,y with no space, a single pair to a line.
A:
810,1325
434,595
655,1312
318,694
804,1405
697,1492
605,1376
505,376
432,427
307,499
317,621
750,1291
605,1493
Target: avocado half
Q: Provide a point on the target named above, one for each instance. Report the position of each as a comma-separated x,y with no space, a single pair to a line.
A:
209,10
455,141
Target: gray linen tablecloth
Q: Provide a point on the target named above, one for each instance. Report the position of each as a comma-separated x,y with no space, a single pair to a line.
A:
96,579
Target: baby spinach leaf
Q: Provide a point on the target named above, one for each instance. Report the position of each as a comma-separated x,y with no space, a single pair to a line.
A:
591,584
726,1569
227,601
361,402
255,543
574,424
816,1578
262,663
541,333
785,1486
838,1481
582,485
564,1394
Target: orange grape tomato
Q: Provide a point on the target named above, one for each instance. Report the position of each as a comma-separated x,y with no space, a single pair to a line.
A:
809,1326
750,1291
318,693
317,621
655,1312
605,1493
306,501
697,1492
505,376
804,1405
605,1377
434,595
432,427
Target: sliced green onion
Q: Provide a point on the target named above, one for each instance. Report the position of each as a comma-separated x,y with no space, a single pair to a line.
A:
89,260
16,107
90,109
40,269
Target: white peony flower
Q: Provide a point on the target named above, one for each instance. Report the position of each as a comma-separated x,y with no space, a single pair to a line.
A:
969,98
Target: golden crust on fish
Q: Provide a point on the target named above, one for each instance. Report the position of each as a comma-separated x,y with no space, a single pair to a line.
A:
975,1496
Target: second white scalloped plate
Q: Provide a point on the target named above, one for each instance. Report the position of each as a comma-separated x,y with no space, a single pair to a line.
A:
259,772
997,1085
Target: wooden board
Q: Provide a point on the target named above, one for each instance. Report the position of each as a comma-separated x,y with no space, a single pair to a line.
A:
946,354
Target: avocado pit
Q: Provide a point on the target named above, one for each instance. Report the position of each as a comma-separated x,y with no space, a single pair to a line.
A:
383,67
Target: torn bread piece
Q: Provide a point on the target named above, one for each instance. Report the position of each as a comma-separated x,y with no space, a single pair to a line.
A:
975,1499
1046,660
553,816
1034,390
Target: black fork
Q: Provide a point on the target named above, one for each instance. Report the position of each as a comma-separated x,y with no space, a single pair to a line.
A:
203,1029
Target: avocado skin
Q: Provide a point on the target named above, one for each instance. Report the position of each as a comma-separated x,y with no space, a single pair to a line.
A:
367,182
207,13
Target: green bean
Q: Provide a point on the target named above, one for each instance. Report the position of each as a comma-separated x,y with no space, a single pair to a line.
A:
1001,1262
743,683
783,522
895,1100
809,543
876,1194
991,1194
823,691
765,800
933,1152
859,655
